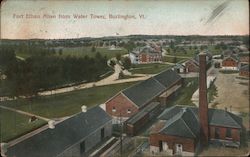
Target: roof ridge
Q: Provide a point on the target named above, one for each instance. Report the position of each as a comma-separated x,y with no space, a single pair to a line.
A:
159,82
187,126
177,115
232,118
195,115
129,99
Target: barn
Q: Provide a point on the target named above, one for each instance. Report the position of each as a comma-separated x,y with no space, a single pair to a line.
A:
133,99
244,57
75,136
230,63
244,71
192,65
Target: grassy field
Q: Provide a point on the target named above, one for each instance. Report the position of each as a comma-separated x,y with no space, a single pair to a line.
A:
192,52
86,51
13,125
79,52
172,60
67,103
183,97
153,68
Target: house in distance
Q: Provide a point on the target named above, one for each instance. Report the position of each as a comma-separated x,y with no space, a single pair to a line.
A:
146,54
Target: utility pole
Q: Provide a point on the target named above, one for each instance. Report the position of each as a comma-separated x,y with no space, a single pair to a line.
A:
121,123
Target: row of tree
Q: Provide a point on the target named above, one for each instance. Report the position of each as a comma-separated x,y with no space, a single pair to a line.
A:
46,71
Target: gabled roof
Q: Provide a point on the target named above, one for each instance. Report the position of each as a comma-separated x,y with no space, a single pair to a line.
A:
244,54
233,57
167,77
223,118
143,112
183,121
195,62
183,124
145,91
179,66
52,142
146,49
244,68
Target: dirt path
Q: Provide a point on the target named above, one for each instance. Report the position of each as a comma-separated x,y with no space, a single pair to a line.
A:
232,92
25,113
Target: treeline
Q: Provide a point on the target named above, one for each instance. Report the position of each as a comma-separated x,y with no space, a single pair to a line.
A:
41,72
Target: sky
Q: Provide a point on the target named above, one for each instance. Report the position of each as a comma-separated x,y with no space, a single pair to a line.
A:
169,17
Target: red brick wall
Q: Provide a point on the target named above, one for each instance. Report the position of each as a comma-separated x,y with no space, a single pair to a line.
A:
187,144
229,63
137,126
143,58
244,59
222,132
121,104
191,67
244,73
203,105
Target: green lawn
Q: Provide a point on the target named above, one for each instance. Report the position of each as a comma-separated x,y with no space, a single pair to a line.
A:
86,51
153,68
191,52
183,97
172,60
66,104
14,124
80,52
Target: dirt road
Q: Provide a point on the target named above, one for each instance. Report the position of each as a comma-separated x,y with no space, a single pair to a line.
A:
232,92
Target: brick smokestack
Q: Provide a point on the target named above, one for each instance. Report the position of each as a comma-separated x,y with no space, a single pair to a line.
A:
203,105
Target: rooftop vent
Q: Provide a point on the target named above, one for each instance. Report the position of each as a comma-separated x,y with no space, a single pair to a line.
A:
51,124
84,108
3,149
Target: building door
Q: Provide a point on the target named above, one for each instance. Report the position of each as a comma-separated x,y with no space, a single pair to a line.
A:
82,147
217,133
164,146
102,133
160,146
178,149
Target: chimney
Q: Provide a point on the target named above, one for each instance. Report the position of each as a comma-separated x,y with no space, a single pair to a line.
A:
3,149
203,105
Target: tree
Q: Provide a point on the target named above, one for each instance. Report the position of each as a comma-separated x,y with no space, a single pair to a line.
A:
126,63
118,56
174,60
93,49
60,52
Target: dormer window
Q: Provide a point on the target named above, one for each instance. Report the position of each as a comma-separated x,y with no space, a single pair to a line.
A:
128,111
113,109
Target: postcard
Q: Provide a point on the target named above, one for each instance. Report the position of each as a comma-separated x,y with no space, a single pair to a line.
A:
124,78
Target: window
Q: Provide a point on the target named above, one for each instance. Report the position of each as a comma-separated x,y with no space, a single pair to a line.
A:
82,147
178,149
113,109
102,133
217,133
228,133
160,146
128,111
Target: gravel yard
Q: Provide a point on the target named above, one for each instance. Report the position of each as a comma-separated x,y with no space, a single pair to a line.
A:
232,91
